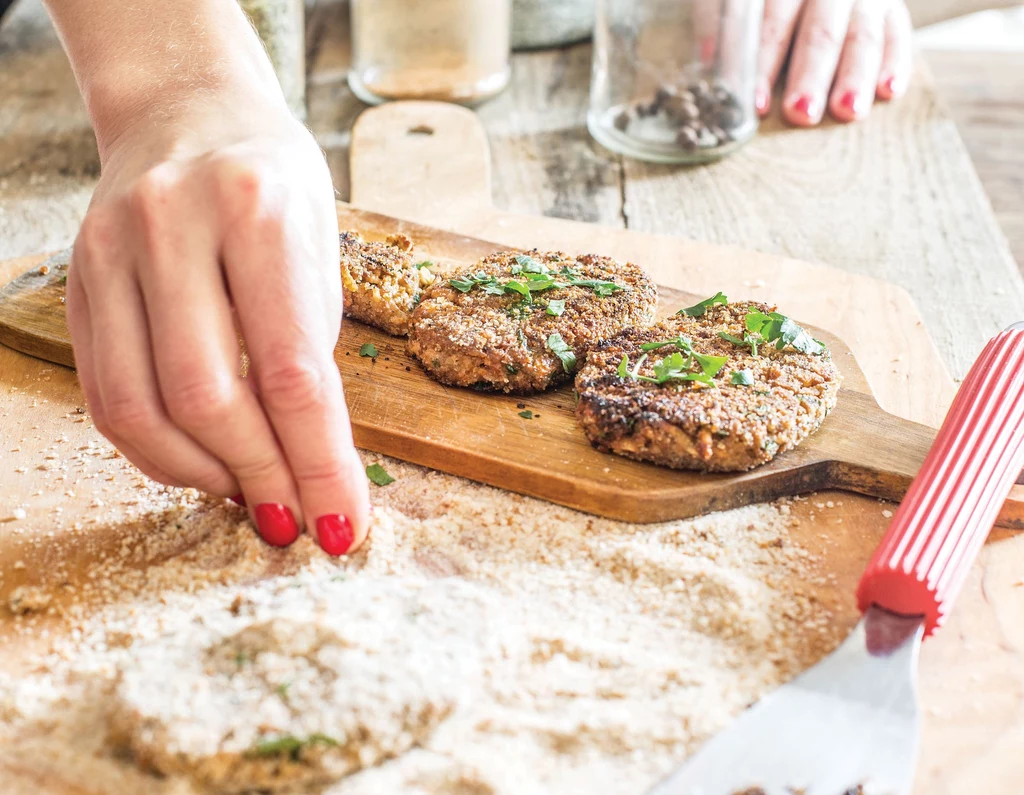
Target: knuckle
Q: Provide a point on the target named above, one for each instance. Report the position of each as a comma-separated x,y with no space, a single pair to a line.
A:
864,35
98,234
238,182
324,474
294,385
152,193
128,416
200,402
820,37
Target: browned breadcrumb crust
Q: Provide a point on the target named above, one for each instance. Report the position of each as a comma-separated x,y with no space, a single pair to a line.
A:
380,281
495,342
729,428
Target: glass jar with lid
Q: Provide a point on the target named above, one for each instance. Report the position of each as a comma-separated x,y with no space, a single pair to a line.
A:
674,80
449,50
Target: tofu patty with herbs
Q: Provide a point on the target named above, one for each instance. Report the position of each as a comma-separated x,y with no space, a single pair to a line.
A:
381,282
717,388
521,322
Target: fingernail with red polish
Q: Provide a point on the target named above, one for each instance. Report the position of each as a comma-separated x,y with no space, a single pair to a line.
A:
707,48
807,106
238,499
892,86
276,524
853,103
762,99
335,533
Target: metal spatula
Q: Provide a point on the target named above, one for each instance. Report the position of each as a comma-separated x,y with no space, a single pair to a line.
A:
850,724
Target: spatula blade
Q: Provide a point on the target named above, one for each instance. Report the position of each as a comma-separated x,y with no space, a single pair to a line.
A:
850,721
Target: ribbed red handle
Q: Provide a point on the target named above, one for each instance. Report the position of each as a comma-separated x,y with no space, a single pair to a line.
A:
940,526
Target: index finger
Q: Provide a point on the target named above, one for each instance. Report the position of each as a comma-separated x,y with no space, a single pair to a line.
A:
281,260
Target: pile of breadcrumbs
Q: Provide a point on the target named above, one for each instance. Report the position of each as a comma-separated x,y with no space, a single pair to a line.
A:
482,643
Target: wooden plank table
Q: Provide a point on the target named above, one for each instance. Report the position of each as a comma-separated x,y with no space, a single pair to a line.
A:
895,197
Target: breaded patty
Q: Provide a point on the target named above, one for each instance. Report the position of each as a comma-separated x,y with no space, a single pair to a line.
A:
278,704
381,282
478,329
728,427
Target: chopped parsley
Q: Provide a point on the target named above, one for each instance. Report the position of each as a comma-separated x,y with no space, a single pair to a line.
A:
698,309
526,415
289,745
533,277
680,342
425,264
762,329
559,347
556,307
378,475
368,349
741,378
676,367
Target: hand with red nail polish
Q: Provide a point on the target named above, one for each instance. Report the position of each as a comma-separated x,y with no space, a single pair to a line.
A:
214,218
842,55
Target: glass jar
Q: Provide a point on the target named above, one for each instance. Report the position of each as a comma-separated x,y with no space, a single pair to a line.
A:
281,26
449,50
674,80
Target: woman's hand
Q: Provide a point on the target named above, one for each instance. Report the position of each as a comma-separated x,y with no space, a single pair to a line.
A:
845,53
217,221
214,217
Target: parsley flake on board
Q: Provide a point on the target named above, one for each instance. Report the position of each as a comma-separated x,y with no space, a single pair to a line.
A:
741,378
368,349
698,309
378,475
565,354
556,306
526,415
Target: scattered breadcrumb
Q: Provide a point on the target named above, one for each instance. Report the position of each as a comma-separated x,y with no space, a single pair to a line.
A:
600,653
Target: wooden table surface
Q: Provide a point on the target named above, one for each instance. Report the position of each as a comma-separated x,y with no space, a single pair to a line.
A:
895,197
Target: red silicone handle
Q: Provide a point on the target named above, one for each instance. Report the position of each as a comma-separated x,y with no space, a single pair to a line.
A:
940,526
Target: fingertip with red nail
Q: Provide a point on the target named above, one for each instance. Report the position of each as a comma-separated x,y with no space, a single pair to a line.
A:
804,110
850,106
335,534
276,524
762,99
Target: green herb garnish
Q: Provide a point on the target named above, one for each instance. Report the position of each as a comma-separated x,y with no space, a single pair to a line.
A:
526,415
680,342
378,475
741,378
753,342
368,349
467,283
676,367
700,308
559,347
290,745
777,328
425,264
556,306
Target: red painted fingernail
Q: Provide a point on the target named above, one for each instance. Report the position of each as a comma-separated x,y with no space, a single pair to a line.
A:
891,86
335,533
707,48
276,524
807,106
238,499
762,99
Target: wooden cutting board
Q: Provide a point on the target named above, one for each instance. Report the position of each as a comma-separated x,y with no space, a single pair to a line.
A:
397,410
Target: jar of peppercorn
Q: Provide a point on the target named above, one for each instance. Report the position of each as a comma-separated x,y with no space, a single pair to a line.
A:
673,80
